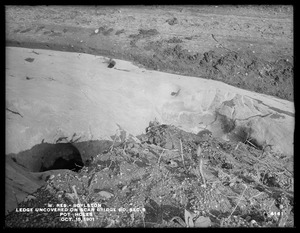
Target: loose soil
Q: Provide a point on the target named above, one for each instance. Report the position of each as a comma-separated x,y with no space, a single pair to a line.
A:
250,47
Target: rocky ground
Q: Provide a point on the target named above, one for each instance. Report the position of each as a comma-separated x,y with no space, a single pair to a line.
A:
246,46
167,178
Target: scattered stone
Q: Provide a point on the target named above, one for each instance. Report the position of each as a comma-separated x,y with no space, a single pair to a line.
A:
172,21
29,59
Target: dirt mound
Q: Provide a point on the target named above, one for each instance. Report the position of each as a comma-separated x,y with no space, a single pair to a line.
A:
240,69
166,178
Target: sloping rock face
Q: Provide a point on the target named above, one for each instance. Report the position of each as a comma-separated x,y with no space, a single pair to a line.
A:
20,182
237,117
52,96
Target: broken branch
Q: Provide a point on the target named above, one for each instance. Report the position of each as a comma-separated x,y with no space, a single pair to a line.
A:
181,152
13,112
199,151
83,217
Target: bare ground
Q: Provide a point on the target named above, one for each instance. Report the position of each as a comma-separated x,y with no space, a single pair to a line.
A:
246,46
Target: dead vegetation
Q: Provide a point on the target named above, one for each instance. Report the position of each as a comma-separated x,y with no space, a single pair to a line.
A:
170,178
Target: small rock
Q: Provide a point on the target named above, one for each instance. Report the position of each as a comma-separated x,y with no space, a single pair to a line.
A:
248,218
105,194
203,222
253,223
71,196
111,64
172,21
96,31
29,197
130,145
173,164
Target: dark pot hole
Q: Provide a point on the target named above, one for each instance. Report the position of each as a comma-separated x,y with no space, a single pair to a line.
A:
238,133
111,64
72,156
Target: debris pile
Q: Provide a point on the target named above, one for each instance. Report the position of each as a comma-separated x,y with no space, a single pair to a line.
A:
166,178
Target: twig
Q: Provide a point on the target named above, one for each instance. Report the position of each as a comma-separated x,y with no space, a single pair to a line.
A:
83,217
143,217
160,157
110,164
255,195
228,196
201,172
238,202
251,144
77,165
237,146
112,147
72,140
14,112
213,215
212,35
60,139
161,148
124,147
180,221
181,151
272,204
34,52
199,151
76,140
